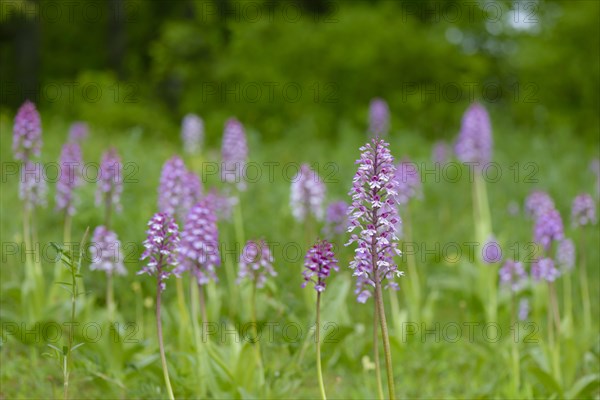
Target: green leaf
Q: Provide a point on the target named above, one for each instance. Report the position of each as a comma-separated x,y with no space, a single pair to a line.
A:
546,380
584,387
76,346
54,347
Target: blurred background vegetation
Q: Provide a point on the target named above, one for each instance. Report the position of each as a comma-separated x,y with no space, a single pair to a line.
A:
305,67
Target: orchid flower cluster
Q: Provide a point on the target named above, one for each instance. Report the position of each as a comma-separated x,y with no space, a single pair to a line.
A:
256,262
161,248
71,165
106,253
336,219
110,182
409,182
27,144
192,133
474,143
78,132
379,118
307,194
179,189
374,213
234,153
319,262
198,250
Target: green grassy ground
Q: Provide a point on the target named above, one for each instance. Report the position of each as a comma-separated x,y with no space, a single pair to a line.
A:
428,365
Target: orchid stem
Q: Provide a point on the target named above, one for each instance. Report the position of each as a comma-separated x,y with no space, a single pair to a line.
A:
376,352
318,339
161,346
386,341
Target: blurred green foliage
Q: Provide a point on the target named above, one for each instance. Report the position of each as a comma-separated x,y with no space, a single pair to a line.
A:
315,65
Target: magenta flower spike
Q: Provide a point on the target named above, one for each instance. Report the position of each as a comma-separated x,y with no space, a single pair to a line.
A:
548,228
78,132
234,152
161,247
199,247
105,251
70,178
32,186
256,262
409,181
110,180
336,219
565,255
544,269
27,132
474,143
374,213
379,118
179,189
537,203
583,211
192,192
513,275
307,194
318,263
192,133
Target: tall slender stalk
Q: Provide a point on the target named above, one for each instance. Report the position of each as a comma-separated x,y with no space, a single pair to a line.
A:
553,334
230,274
161,346
59,275
318,339
107,209
483,225
28,287
554,305
413,274
183,312
239,221
583,281
255,327
568,296
74,269
40,288
196,297
67,359
516,359
376,352
110,300
202,303
386,341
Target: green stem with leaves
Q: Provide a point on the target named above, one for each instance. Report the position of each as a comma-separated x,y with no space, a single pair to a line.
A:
74,270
